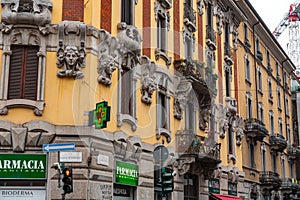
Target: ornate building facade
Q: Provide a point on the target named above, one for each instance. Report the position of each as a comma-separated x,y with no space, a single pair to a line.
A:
140,85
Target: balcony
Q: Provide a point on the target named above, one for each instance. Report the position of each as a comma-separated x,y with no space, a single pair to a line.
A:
268,178
293,152
190,68
211,38
189,17
228,54
204,150
256,129
289,185
277,143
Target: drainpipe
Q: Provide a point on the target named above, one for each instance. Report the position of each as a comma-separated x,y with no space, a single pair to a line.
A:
254,47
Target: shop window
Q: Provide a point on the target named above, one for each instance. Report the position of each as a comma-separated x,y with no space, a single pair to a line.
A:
127,11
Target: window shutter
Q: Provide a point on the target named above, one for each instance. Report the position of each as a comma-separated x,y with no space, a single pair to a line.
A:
15,73
23,72
31,74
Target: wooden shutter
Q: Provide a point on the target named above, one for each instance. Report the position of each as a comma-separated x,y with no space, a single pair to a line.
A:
23,72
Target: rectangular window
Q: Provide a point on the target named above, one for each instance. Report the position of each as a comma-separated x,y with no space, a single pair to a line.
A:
261,112
249,106
191,187
209,12
274,163
259,77
247,66
162,112
246,32
271,122
190,118
280,126
188,48
288,133
127,11
228,82
270,89
127,92
277,69
286,105
264,160
268,59
251,157
278,98
161,33
23,72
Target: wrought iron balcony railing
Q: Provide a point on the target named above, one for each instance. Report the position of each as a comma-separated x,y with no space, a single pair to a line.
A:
277,143
256,129
188,67
269,178
190,17
197,146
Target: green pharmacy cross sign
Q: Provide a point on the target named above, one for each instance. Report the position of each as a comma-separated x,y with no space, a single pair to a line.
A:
101,115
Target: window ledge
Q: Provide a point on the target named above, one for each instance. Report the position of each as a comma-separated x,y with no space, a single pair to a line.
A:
165,132
38,106
260,91
161,54
129,119
248,81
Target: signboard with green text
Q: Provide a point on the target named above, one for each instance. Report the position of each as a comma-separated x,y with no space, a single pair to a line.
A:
23,166
214,186
126,173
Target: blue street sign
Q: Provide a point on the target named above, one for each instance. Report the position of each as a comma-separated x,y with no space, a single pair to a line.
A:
59,147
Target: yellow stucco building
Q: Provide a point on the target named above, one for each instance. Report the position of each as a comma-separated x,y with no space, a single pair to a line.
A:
142,88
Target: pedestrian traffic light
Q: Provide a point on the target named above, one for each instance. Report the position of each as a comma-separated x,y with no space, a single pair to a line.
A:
67,180
167,183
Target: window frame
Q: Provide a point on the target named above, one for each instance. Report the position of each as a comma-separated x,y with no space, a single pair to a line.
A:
127,17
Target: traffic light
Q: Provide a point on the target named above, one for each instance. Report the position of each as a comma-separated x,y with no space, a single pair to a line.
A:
167,180
67,180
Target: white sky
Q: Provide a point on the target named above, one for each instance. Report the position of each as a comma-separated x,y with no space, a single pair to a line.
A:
272,12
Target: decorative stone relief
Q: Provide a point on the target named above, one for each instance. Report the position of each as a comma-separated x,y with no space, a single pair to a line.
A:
37,12
184,164
220,19
127,147
239,131
108,58
182,88
201,6
217,174
71,49
148,79
235,35
231,108
19,137
204,115
160,9
233,175
221,115
190,35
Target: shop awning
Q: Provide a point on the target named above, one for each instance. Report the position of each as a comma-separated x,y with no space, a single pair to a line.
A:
225,197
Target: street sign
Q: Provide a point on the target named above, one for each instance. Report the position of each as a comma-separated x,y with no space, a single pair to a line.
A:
59,147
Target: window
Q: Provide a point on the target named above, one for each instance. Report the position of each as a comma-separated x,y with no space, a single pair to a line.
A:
191,187
268,59
251,155
247,68
286,105
280,126
288,133
261,111
282,166
246,32
190,117
259,77
209,15
271,119
188,44
263,157
228,80
127,92
278,98
231,149
274,163
163,113
23,72
162,33
23,68
277,69
257,43
270,89
127,11
249,105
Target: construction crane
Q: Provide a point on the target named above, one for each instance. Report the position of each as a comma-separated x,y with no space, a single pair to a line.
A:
291,20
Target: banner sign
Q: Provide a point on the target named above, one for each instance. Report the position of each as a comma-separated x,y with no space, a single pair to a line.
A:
214,186
22,194
126,173
232,188
23,166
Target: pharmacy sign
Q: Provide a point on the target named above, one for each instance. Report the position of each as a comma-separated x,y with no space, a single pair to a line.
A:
23,166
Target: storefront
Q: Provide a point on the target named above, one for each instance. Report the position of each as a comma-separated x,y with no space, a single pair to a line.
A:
126,180
23,176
